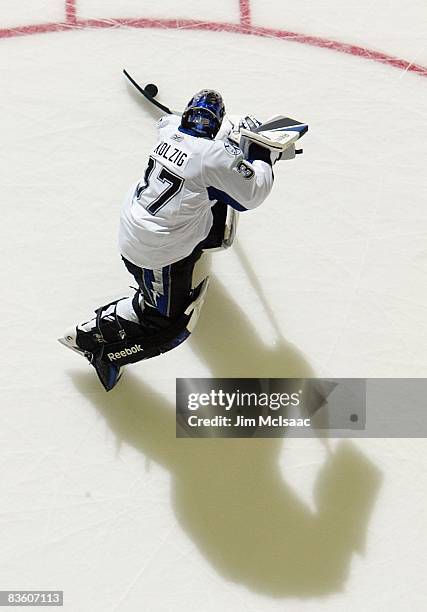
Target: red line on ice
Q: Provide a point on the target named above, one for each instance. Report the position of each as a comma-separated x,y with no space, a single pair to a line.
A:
244,27
245,12
70,12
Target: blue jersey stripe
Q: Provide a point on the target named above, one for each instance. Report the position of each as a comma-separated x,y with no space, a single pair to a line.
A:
217,194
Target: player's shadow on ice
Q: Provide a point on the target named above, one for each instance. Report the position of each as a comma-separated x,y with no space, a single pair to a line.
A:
228,342
229,494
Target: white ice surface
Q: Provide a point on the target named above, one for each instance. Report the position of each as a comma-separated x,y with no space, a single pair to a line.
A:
30,12
220,10
98,497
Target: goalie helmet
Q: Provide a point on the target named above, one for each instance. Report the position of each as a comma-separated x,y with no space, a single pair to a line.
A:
204,113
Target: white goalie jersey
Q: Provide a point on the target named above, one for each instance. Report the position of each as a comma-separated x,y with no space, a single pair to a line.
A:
168,212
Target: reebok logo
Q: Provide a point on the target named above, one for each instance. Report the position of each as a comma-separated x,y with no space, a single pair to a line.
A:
125,352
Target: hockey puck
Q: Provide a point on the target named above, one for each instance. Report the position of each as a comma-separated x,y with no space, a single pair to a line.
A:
152,90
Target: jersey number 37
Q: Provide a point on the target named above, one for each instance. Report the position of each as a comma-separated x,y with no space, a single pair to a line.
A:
164,183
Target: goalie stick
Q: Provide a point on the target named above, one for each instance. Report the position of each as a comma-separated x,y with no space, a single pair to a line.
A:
149,92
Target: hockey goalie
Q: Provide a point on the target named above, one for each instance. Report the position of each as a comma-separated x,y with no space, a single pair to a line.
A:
203,170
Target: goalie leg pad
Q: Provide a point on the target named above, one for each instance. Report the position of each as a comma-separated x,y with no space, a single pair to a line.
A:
223,230
111,355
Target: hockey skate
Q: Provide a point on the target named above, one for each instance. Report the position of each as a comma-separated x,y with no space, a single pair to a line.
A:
108,374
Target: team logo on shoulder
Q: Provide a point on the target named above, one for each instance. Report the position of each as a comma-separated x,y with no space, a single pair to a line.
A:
231,148
177,137
245,170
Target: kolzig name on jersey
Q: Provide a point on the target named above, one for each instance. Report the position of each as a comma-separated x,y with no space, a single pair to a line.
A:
171,153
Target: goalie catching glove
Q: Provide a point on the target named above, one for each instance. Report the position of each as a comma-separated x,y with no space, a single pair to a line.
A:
272,141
